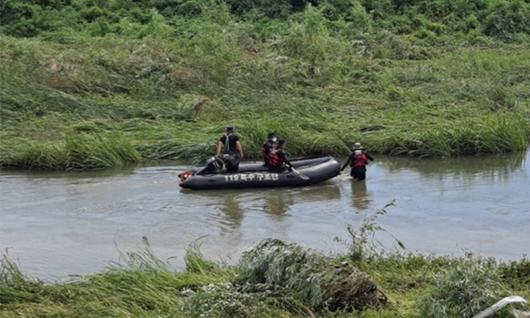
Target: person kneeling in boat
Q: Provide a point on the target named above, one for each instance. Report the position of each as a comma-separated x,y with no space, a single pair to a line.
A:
358,161
231,149
277,160
214,165
267,147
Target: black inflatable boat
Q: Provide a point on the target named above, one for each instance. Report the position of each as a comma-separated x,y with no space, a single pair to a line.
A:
251,175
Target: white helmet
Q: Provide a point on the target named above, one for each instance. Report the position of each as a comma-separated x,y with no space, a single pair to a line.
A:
357,145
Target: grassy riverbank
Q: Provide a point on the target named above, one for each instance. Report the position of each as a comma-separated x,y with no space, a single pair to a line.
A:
94,84
293,283
276,279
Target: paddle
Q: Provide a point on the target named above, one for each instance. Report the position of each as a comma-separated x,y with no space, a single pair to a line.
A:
298,173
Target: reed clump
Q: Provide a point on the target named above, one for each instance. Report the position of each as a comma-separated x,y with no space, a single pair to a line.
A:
315,280
77,152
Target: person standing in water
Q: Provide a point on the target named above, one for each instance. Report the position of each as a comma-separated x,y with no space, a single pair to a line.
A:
358,161
230,146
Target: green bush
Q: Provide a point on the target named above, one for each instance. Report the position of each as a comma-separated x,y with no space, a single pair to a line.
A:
507,18
309,39
379,9
268,8
500,18
91,14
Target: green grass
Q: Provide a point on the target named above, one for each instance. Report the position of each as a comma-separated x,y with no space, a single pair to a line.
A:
166,87
295,284
89,151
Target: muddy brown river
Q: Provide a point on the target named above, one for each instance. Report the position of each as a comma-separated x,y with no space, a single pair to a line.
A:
56,224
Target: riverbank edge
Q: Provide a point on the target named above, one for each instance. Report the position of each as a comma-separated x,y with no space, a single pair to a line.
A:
414,285
103,150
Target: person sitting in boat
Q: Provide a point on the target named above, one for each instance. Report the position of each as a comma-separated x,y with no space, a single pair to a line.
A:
277,160
214,165
230,148
358,161
267,147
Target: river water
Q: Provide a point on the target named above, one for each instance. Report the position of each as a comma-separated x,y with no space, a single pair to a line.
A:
56,224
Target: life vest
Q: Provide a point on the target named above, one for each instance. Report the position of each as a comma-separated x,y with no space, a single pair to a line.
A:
273,159
360,160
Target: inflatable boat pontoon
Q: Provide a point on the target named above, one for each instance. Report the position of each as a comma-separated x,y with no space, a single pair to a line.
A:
252,175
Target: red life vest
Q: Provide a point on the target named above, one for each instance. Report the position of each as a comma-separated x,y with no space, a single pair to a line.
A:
274,159
360,160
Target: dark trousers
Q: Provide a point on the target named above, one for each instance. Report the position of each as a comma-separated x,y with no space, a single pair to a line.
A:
358,173
232,162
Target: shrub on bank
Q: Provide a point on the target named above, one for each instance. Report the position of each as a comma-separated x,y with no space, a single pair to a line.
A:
498,18
314,280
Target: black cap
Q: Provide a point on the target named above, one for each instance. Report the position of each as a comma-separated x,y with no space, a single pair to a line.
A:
270,135
230,128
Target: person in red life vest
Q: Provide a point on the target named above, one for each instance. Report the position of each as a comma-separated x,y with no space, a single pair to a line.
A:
358,161
277,160
230,146
267,146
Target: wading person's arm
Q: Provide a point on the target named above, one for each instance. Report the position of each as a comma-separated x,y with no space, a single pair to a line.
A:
346,164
